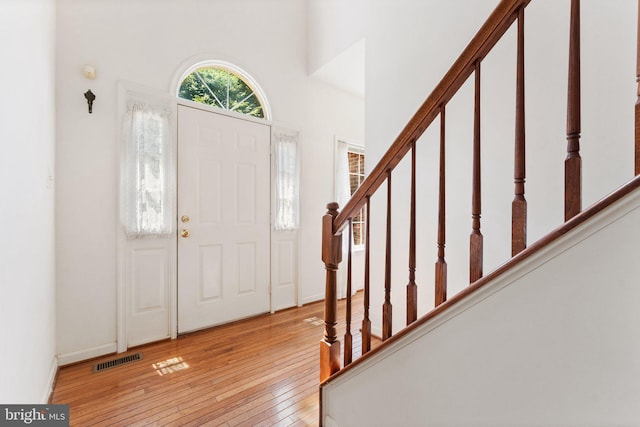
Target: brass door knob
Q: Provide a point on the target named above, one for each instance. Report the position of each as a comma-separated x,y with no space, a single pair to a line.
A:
185,218
185,233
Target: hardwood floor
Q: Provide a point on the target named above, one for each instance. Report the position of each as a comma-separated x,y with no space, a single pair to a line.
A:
257,372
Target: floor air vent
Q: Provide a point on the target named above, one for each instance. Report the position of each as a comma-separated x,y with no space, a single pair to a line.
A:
114,363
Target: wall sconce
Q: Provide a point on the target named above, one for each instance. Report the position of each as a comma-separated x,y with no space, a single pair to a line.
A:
89,72
90,97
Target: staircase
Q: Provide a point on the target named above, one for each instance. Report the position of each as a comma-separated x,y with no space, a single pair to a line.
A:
529,343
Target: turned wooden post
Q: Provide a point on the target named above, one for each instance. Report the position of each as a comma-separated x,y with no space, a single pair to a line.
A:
412,289
387,308
348,338
331,256
519,204
441,264
573,162
637,115
366,322
476,239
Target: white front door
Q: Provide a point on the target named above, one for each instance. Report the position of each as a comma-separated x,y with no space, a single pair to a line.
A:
223,218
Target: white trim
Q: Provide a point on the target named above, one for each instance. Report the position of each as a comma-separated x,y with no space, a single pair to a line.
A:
199,61
90,353
53,372
311,298
216,110
121,292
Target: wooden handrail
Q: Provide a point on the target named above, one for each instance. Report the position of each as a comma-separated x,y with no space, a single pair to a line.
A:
531,250
334,222
493,29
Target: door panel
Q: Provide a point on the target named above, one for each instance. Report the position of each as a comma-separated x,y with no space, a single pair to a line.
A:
148,267
284,276
224,189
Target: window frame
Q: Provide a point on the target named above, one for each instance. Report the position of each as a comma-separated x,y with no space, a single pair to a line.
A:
234,69
352,146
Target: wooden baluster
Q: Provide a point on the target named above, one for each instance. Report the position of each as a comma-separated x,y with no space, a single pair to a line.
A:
412,289
386,307
366,322
441,264
476,239
348,338
637,153
573,162
519,205
331,256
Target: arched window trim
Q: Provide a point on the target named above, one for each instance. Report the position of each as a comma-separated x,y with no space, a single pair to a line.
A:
246,77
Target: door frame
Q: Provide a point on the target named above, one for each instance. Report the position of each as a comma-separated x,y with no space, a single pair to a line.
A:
124,88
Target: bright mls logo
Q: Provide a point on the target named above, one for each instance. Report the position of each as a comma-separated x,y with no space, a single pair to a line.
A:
35,415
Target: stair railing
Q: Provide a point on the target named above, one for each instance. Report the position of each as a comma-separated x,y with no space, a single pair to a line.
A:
335,222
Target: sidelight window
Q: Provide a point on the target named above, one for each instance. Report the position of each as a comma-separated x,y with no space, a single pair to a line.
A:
147,170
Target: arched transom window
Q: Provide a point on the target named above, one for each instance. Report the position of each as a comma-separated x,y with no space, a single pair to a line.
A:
224,86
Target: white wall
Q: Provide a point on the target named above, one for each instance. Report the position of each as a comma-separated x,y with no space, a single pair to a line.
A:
148,43
27,306
346,116
333,26
552,342
411,44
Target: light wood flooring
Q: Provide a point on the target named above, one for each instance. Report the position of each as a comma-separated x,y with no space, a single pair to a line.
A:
257,372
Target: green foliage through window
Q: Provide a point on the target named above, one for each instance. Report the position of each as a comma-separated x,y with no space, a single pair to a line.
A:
221,88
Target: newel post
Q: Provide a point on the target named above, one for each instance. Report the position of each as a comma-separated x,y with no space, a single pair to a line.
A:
331,256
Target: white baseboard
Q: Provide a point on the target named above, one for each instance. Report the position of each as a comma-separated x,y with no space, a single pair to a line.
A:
376,332
79,356
51,381
312,298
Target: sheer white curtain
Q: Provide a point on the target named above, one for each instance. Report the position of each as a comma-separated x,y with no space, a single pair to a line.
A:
287,179
147,170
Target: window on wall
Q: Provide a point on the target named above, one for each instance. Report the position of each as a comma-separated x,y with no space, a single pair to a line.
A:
287,177
356,176
223,86
350,158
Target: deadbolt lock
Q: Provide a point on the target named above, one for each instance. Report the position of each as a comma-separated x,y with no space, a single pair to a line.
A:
184,218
